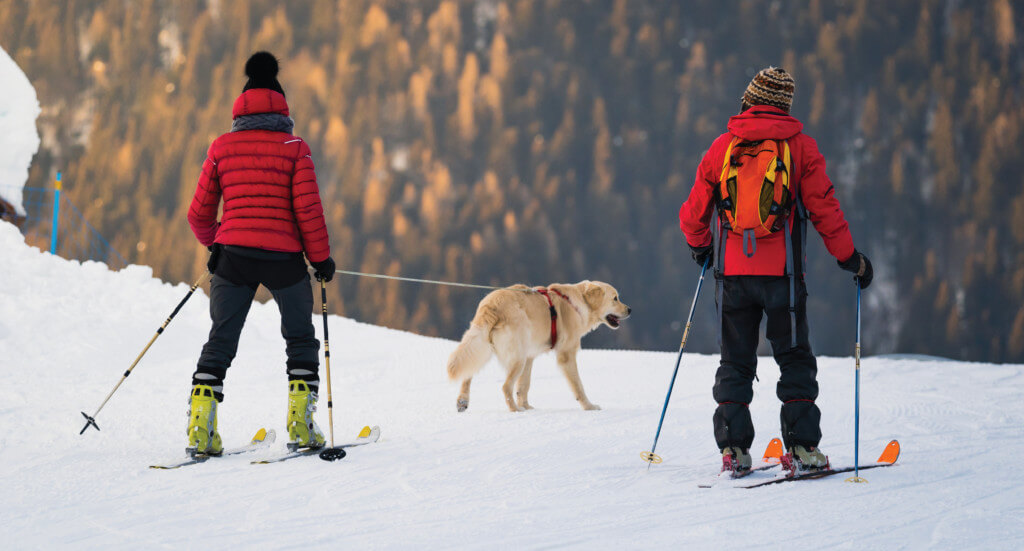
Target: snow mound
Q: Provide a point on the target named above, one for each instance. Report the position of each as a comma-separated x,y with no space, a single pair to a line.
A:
554,477
19,140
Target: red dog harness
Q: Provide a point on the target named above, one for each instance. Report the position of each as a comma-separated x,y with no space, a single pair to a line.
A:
551,308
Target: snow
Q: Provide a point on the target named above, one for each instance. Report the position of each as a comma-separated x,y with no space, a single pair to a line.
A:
19,140
554,477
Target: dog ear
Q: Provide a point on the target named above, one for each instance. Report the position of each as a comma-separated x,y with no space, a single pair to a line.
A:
594,294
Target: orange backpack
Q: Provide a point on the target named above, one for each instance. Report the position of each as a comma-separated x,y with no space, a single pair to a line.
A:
753,194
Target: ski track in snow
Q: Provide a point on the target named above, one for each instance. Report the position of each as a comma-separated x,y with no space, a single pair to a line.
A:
554,477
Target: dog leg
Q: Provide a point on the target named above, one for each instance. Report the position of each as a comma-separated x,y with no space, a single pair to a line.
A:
567,362
515,369
523,386
463,402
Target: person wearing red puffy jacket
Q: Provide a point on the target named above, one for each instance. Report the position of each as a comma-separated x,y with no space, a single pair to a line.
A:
767,278
272,216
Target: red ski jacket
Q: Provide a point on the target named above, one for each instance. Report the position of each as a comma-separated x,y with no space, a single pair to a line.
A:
808,181
268,182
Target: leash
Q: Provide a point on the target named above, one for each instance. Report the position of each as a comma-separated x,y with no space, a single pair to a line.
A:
415,280
438,282
540,290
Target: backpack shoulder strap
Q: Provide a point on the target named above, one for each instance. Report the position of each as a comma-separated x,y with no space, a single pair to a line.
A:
787,159
727,160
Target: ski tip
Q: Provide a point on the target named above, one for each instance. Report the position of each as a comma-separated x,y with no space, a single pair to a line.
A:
264,435
891,453
260,436
773,453
365,432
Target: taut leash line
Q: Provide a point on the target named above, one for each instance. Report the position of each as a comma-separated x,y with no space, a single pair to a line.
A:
415,280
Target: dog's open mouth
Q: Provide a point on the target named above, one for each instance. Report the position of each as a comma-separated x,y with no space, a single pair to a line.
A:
612,320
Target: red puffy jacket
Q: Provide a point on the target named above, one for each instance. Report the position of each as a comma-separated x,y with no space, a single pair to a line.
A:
808,180
267,179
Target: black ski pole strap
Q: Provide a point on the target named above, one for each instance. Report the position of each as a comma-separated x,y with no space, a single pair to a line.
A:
719,242
791,272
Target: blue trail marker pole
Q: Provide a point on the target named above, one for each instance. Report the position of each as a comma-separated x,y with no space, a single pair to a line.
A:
56,217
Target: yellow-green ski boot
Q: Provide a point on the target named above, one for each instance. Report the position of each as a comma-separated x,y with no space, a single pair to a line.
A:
302,430
203,438
735,459
809,458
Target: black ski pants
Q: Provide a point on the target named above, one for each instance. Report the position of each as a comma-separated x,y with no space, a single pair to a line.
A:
238,275
743,300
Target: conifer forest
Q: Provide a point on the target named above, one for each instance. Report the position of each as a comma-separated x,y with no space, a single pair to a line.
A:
537,141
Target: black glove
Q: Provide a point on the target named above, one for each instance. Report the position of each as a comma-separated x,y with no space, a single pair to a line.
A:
701,254
324,269
860,266
211,264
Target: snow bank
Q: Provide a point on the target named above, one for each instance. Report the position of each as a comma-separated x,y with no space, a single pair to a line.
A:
19,140
554,477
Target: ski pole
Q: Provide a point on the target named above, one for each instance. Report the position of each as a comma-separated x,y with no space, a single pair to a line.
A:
90,420
856,400
651,457
331,453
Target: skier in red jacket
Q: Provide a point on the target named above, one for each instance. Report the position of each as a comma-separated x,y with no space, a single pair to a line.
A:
271,216
767,276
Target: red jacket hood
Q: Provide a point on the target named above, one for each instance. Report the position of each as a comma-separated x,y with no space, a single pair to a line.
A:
259,100
763,122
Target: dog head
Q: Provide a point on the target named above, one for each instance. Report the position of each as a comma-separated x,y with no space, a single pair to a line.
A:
603,301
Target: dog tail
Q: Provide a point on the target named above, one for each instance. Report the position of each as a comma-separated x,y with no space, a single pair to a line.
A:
475,349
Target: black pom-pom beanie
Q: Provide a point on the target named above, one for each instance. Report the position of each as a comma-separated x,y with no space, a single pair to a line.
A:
262,72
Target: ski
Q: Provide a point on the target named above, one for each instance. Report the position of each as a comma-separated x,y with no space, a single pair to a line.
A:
887,459
772,458
736,475
262,439
813,475
366,436
743,474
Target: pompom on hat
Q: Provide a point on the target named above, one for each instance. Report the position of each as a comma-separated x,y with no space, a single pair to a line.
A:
261,68
770,86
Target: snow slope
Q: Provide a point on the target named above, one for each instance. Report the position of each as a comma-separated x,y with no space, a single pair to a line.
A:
18,137
554,477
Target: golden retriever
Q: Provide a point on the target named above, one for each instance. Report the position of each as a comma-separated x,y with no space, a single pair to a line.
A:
514,324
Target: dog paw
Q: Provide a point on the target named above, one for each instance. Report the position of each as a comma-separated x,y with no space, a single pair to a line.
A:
524,407
591,407
462,405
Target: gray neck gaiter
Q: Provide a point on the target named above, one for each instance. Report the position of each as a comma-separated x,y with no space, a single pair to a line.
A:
274,122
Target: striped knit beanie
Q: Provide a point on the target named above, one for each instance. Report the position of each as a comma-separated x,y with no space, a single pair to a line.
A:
770,86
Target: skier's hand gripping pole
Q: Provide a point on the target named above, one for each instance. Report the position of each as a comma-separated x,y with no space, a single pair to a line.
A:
90,420
651,457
